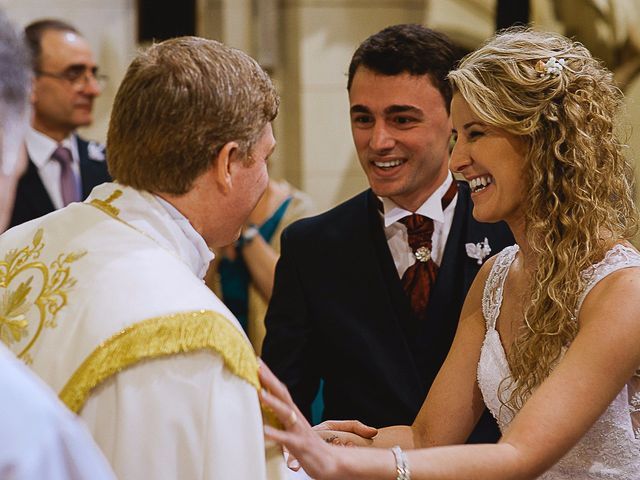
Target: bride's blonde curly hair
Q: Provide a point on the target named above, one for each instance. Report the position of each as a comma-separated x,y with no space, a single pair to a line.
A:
579,199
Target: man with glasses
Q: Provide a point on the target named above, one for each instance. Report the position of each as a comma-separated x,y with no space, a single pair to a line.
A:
62,168
39,437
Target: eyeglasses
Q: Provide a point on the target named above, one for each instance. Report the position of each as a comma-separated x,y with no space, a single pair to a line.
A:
78,76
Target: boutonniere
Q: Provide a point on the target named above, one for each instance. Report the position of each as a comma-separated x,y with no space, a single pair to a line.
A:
478,251
96,151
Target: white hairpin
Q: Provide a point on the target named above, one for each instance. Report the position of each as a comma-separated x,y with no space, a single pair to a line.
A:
553,66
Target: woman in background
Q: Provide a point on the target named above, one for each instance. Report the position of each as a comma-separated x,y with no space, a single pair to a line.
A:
242,273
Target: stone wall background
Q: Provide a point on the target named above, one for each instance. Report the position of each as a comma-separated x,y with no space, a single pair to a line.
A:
307,44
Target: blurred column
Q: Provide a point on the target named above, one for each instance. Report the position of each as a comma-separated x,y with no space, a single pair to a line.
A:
511,12
228,21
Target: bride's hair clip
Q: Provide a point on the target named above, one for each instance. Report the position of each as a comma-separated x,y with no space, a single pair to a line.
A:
552,67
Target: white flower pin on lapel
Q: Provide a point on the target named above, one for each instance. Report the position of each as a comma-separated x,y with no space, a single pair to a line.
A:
478,250
96,151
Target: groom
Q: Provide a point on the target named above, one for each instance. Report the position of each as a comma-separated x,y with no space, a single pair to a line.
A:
350,306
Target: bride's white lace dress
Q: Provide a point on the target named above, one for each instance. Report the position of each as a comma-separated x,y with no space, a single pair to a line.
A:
611,448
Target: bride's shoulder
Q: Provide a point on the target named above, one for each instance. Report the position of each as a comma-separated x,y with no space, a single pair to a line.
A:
610,313
494,267
622,258
501,261
613,284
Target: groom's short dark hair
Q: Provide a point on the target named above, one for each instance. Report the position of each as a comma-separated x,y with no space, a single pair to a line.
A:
408,48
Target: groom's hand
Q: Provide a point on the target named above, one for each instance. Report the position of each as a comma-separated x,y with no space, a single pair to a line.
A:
344,439
355,427
347,433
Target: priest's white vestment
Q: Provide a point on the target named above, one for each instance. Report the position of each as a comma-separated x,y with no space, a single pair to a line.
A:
39,437
105,301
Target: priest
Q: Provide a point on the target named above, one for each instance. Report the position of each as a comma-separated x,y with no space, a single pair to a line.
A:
105,299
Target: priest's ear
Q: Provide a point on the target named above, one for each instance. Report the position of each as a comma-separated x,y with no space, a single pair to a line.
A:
223,164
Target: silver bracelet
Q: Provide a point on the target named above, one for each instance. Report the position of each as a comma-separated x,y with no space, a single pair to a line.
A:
402,466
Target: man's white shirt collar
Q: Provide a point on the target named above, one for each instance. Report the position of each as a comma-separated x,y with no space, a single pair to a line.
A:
431,208
40,147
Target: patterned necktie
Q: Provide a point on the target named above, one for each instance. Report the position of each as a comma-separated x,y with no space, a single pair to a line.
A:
421,276
68,185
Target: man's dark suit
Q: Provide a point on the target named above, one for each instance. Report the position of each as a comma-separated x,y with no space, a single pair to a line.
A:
338,312
32,199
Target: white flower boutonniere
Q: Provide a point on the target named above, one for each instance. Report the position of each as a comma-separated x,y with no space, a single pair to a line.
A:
96,151
478,251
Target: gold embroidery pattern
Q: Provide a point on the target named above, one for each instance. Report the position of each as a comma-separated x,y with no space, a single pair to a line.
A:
105,205
36,285
160,337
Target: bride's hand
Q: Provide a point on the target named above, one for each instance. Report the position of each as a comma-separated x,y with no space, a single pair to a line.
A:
317,457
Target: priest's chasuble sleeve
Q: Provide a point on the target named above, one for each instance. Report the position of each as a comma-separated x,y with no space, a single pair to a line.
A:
39,437
107,306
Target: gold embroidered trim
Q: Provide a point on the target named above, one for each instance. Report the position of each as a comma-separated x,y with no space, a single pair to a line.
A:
105,205
77,390
27,283
158,337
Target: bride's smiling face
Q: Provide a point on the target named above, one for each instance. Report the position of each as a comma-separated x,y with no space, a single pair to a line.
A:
492,160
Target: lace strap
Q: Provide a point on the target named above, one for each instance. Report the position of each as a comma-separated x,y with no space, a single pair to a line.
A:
617,258
493,288
634,402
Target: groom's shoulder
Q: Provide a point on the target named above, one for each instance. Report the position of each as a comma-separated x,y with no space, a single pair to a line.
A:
333,223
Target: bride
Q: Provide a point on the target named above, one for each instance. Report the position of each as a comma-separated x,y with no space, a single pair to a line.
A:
549,336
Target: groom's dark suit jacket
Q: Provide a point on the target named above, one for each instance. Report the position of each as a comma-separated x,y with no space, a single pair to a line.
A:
338,312
32,198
